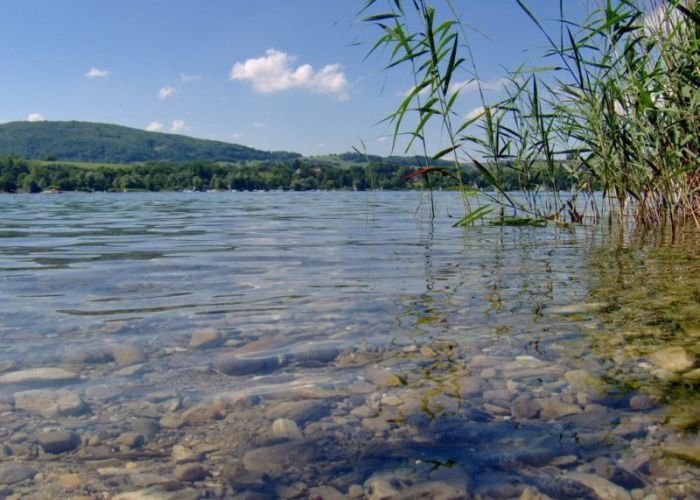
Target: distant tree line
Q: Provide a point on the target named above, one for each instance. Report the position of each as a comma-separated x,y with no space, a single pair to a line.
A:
19,175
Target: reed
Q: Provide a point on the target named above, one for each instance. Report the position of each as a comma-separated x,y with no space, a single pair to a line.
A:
619,108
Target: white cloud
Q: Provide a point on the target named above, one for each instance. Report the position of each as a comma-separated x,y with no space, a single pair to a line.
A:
154,127
94,72
475,113
258,124
165,92
236,135
274,73
35,117
471,85
179,126
189,78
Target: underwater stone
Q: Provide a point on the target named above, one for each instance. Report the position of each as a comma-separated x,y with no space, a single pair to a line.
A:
286,428
231,364
602,487
205,338
58,441
674,359
49,403
14,473
128,354
39,376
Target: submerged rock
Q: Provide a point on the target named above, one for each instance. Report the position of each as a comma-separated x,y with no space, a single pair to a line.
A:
58,441
602,487
673,359
128,354
286,428
14,473
190,472
205,338
45,376
232,364
49,403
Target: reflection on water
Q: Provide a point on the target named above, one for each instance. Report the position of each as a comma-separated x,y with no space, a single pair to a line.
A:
315,344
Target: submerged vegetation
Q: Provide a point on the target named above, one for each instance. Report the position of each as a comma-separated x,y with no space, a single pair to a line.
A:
621,101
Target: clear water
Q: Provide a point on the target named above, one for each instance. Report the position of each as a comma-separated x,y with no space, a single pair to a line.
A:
368,274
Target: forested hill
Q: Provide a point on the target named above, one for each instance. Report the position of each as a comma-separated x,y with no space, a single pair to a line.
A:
106,143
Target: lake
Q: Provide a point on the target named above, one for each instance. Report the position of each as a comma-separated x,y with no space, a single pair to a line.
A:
339,344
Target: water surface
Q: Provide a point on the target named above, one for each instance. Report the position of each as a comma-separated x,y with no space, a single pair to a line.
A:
489,360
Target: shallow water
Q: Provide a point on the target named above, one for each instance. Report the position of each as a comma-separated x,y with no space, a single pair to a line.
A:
293,341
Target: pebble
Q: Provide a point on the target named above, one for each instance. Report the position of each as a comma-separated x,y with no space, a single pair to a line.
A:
232,364
379,489
582,381
38,376
128,354
206,338
58,441
281,459
130,440
602,487
182,454
285,428
673,359
201,413
190,472
11,473
525,407
553,408
642,402
470,386
301,412
325,493
49,403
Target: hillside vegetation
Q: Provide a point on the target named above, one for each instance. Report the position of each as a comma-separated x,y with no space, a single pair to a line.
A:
76,141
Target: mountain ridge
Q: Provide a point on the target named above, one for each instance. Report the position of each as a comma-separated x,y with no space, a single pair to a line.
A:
81,141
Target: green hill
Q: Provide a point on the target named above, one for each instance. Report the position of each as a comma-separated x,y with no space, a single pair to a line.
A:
106,143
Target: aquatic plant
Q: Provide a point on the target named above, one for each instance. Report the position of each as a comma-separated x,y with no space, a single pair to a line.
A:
619,109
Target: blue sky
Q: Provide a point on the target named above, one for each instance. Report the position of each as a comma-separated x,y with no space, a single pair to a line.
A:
270,74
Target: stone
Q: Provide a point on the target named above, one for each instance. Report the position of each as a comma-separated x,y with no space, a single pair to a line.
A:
11,473
130,440
315,353
436,490
376,424
182,454
470,386
127,354
553,408
325,493
39,376
379,489
355,491
582,381
206,338
525,407
281,459
58,441
494,395
574,309
232,364
673,359
602,487
190,472
690,452
301,412
286,428
201,413
147,427
49,403
642,402
87,355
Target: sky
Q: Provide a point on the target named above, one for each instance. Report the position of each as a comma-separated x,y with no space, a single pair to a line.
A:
288,75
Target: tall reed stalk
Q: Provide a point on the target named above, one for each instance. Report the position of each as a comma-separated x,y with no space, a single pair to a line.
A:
621,104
